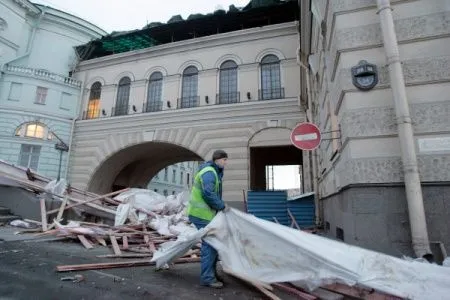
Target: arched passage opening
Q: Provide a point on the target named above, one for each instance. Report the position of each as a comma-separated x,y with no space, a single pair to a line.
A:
274,159
136,165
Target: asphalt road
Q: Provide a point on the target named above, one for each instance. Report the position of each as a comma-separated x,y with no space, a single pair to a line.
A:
28,271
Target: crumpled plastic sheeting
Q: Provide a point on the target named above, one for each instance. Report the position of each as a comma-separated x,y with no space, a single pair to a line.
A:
165,215
269,252
56,187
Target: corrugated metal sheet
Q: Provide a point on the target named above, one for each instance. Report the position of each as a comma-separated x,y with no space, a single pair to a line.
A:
268,204
303,210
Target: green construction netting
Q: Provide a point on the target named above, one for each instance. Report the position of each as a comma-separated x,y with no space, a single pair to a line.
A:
128,43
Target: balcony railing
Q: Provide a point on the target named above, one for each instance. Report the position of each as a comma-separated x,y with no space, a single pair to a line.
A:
188,102
121,110
228,98
152,106
91,114
269,94
43,74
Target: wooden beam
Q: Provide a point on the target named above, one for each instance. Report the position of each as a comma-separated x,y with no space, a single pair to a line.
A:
124,264
115,245
87,201
294,222
85,242
43,214
301,295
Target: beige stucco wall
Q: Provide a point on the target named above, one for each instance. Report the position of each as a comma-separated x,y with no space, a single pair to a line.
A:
370,150
197,132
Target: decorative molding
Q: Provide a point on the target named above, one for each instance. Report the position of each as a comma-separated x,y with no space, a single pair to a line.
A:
123,74
156,69
416,72
269,51
408,30
381,121
226,57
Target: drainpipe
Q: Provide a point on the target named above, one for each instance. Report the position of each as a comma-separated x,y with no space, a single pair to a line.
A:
417,220
70,147
31,39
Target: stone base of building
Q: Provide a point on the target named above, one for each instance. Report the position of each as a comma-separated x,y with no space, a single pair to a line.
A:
376,217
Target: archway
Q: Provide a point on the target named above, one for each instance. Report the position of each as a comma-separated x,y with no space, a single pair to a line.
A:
134,166
271,147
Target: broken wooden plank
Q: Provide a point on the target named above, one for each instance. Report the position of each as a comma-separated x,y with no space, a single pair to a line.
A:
101,241
358,292
137,255
87,201
253,282
43,214
294,222
115,245
124,264
125,242
85,242
276,221
300,294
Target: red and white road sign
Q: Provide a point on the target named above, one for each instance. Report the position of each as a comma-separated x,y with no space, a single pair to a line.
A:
306,136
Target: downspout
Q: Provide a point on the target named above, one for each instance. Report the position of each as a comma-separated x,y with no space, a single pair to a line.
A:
70,147
417,219
31,39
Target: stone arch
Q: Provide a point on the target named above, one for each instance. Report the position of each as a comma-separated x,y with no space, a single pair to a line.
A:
270,136
226,57
93,80
265,52
124,74
188,63
155,69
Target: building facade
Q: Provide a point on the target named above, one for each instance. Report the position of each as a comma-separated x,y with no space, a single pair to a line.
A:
39,98
359,172
174,179
232,85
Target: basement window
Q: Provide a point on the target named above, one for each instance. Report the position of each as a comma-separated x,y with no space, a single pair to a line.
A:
339,233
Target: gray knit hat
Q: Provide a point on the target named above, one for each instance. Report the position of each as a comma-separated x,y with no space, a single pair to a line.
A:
218,154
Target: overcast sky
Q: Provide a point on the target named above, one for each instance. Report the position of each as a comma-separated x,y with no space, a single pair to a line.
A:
120,15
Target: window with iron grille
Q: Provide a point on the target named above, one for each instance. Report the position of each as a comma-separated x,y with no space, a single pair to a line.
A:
189,89
165,193
228,92
29,156
174,176
123,97
154,92
181,177
270,78
93,109
41,95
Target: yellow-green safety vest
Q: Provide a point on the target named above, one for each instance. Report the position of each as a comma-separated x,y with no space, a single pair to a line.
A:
197,206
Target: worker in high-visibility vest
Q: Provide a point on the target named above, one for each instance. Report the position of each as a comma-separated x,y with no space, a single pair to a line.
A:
206,200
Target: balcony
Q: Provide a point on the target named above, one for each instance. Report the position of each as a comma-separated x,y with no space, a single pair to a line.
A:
152,106
270,94
120,110
43,74
188,102
228,98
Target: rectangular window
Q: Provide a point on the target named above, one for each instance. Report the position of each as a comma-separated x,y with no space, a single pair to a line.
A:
65,101
41,95
188,178
93,111
29,156
15,91
181,177
166,174
174,176
165,193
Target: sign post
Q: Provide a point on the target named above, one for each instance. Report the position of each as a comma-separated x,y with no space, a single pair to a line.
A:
306,136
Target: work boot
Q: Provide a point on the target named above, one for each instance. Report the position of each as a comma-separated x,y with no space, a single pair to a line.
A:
215,285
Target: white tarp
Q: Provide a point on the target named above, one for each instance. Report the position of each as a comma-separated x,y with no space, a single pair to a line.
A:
268,252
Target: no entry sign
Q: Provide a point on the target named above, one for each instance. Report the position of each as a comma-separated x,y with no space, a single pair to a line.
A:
306,136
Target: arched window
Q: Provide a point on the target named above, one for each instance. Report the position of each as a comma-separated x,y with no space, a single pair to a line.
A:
189,89
270,78
154,93
93,110
228,92
123,97
34,130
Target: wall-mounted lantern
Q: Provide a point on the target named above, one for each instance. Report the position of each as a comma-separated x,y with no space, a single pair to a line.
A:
365,75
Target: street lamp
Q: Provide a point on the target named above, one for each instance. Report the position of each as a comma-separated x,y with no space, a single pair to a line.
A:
62,147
